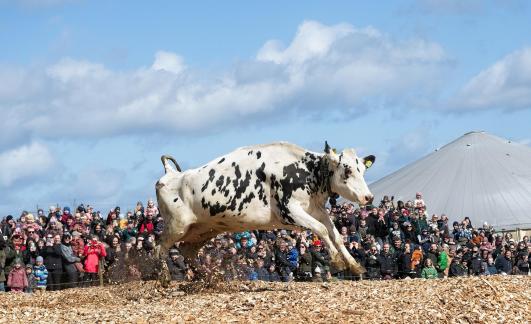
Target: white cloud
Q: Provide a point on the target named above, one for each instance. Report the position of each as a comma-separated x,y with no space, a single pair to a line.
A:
26,161
504,85
325,69
168,61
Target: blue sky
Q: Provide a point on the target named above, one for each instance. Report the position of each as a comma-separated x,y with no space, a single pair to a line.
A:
93,92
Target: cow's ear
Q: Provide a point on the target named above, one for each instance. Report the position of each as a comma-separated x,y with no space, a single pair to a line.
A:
368,161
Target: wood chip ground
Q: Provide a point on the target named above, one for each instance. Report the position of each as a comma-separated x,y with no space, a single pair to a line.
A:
457,300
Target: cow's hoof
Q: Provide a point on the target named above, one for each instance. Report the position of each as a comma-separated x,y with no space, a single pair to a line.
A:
357,269
339,264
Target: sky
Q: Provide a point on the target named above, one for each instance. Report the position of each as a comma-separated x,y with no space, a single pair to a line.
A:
94,92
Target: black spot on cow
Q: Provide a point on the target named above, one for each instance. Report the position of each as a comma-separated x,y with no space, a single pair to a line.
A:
258,155
246,200
211,175
221,161
233,164
219,182
214,209
175,200
213,192
193,191
260,174
260,182
250,152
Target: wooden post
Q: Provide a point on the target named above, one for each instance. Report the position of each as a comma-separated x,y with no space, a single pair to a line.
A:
100,272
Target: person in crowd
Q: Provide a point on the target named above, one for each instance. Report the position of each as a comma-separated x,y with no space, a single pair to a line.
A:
388,265
429,271
32,280
71,277
260,272
320,259
17,280
284,267
372,264
41,274
504,263
94,252
53,260
458,268
304,271
176,265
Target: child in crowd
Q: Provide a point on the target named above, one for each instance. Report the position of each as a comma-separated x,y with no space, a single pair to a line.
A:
17,280
32,281
41,274
429,271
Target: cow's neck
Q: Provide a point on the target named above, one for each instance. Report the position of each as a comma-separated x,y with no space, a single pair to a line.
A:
324,179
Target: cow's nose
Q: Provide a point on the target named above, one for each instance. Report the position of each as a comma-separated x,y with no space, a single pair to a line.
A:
369,198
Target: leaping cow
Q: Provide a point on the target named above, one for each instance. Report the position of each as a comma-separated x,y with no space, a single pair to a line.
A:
262,187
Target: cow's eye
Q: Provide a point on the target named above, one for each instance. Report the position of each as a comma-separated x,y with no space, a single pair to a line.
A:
348,172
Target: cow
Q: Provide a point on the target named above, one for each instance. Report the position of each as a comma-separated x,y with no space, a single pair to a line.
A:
261,187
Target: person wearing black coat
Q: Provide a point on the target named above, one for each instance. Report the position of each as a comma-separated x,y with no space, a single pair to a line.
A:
504,263
475,263
304,272
388,266
176,266
457,269
372,264
53,260
285,268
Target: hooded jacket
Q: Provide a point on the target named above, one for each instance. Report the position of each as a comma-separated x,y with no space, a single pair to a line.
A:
17,279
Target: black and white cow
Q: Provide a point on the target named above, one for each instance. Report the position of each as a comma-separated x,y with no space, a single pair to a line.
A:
261,187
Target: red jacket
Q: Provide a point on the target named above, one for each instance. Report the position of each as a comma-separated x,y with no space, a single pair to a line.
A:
93,254
17,279
147,227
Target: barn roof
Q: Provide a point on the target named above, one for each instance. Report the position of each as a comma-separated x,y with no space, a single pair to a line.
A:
478,175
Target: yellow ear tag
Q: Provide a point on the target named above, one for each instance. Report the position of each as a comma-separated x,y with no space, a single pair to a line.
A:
334,150
368,164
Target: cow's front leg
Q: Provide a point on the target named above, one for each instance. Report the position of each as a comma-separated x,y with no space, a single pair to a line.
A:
324,218
305,220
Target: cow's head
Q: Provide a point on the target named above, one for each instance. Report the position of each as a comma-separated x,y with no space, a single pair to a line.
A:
347,178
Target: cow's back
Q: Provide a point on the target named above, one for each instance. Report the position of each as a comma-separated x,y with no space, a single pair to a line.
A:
248,180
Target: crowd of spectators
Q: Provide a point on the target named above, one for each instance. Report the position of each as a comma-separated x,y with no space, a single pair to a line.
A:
66,248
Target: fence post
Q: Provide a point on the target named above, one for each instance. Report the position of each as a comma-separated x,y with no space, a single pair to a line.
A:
100,272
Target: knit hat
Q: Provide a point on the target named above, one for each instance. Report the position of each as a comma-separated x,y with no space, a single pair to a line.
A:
29,266
39,259
9,217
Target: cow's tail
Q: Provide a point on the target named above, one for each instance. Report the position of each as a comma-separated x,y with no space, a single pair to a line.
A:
167,166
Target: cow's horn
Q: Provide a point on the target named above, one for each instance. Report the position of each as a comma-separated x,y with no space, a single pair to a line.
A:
327,147
166,164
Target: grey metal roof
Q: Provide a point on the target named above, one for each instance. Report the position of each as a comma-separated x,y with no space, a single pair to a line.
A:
478,175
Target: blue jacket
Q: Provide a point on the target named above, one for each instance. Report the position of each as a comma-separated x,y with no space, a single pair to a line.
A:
293,257
41,274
